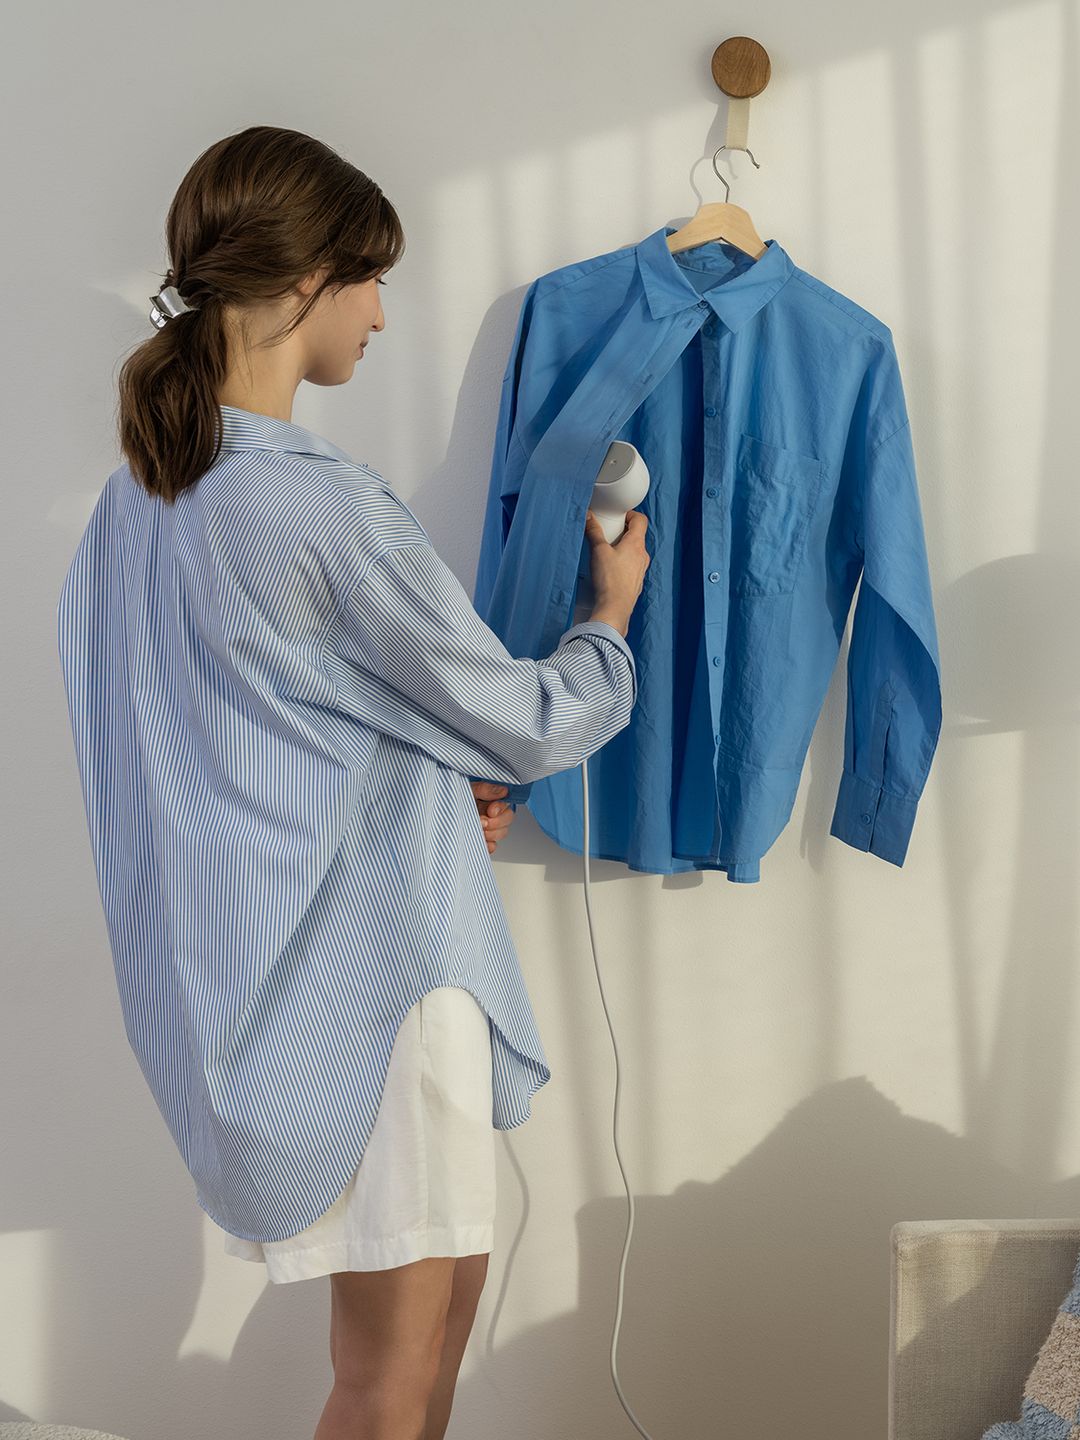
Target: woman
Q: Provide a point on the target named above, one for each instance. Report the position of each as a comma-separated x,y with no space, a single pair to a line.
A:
281,700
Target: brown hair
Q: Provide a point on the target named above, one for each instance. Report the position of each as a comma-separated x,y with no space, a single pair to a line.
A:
255,214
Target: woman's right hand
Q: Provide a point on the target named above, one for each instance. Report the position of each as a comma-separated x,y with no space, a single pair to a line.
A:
618,571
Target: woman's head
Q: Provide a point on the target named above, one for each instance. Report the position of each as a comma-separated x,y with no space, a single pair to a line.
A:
279,244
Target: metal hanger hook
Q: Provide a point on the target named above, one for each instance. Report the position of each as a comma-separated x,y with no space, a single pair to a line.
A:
727,187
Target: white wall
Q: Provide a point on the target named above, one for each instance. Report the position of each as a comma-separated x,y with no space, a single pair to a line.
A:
806,1060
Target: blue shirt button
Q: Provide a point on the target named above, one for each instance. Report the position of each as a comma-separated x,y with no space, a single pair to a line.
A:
712,492
714,575
716,660
865,818
710,410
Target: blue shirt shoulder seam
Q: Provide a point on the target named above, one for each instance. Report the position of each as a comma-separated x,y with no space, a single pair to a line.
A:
904,425
875,328
583,274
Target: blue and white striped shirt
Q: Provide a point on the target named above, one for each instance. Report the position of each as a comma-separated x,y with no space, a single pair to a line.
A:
278,693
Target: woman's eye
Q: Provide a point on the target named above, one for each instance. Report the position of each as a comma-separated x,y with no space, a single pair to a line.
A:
380,282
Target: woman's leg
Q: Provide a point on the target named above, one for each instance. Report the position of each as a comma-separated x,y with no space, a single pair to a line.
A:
387,1332
469,1275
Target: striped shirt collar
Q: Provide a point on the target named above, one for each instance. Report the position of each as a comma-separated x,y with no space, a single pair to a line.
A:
248,430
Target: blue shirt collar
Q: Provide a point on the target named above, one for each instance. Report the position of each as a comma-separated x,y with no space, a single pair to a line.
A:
735,300
247,430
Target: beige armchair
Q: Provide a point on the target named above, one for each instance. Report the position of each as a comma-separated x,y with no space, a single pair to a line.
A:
971,1303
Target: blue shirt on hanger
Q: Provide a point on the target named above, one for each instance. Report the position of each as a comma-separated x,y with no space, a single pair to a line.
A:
277,691
770,412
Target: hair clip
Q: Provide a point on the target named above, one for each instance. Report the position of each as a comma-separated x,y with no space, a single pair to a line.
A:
166,305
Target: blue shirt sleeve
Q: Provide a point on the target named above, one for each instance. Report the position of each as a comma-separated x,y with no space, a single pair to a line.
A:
893,670
409,656
508,456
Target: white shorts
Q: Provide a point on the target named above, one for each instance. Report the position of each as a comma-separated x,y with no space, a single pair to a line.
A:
425,1184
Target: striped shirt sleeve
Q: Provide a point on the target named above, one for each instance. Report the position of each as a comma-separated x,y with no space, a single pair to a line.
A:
409,655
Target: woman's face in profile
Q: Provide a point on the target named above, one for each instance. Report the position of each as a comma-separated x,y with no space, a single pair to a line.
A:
362,312
339,328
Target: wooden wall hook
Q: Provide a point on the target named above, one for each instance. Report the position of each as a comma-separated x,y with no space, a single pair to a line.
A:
740,66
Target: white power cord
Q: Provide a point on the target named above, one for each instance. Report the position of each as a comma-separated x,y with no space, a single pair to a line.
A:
615,1118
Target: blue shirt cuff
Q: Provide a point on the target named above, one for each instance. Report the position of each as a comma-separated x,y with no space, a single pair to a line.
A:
871,818
515,794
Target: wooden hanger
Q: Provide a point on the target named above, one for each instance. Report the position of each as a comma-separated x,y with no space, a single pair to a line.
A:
740,67
719,220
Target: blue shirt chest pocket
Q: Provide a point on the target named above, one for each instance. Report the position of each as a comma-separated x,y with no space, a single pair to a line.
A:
775,495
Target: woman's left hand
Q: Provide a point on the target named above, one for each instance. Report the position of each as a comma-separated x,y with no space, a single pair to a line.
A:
495,817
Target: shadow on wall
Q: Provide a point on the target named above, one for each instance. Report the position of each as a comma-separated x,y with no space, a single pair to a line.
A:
760,1299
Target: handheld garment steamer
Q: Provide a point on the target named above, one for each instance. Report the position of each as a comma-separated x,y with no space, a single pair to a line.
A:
622,484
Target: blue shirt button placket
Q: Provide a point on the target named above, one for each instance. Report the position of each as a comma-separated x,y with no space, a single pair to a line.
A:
712,491
712,520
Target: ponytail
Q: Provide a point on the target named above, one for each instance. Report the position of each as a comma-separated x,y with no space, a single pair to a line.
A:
257,213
